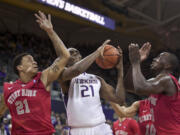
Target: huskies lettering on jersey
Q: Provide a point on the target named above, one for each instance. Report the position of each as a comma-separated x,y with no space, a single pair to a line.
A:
86,81
23,92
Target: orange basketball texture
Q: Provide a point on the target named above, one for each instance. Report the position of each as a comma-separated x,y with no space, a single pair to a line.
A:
110,59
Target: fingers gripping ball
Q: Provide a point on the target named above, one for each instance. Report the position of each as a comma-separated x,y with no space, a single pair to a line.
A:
110,57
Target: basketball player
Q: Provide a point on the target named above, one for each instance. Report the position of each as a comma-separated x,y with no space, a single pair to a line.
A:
142,107
84,110
28,98
163,90
125,126
145,119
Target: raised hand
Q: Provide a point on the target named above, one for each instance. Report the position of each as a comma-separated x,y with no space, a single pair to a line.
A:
144,51
134,54
43,21
101,48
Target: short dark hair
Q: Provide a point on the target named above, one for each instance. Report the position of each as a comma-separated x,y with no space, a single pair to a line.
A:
174,62
17,61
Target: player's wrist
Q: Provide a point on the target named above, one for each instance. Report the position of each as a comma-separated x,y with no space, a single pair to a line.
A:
49,30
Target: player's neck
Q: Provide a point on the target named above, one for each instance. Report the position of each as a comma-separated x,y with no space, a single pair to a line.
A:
166,72
122,119
25,78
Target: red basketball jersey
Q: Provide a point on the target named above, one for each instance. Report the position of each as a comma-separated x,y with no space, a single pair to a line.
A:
145,118
166,112
30,107
127,127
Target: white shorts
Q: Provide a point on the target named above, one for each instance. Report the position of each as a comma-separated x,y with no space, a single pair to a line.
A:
102,129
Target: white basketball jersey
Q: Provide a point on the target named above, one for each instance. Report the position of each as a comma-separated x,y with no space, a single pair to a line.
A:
84,106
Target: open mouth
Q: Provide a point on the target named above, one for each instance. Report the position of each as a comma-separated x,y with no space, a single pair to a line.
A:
36,67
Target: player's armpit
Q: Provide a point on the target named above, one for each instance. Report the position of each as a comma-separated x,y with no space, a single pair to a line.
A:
69,73
64,86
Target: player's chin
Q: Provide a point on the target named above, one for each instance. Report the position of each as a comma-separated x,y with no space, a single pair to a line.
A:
35,70
152,67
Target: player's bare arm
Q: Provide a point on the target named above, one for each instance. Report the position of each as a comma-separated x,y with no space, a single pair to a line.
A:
3,107
160,84
144,53
123,111
108,92
53,72
82,65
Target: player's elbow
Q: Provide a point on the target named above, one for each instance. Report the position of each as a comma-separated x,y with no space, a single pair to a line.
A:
67,55
65,59
78,69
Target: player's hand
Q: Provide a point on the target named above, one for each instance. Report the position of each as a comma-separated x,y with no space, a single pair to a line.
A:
134,54
43,21
144,51
120,62
101,48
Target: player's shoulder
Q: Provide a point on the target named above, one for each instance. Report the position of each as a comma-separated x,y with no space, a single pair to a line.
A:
116,122
9,85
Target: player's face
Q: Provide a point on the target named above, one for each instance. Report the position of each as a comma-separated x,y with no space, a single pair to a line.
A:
159,62
75,56
28,65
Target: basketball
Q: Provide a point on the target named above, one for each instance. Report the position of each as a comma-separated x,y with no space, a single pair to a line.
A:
110,58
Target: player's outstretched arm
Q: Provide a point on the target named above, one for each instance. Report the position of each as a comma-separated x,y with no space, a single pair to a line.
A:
108,92
46,25
144,53
53,72
3,107
82,65
123,111
141,85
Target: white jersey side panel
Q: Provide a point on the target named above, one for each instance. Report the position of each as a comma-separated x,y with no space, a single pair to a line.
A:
84,106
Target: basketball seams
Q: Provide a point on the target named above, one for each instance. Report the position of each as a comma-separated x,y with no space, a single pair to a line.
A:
110,59
105,50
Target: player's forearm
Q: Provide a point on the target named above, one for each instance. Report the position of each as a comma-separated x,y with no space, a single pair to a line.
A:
58,44
139,81
118,109
128,82
120,91
85,63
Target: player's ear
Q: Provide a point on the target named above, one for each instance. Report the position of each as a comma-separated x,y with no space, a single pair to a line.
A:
167,66
19,67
